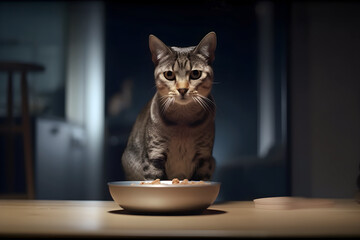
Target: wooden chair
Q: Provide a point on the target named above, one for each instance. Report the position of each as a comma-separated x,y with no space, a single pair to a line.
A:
10,128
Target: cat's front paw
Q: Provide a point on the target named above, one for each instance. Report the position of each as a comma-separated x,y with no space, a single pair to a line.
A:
155,169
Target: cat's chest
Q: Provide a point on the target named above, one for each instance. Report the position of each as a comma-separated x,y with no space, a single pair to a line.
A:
181,151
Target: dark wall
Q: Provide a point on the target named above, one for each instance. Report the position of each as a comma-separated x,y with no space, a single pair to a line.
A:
325,98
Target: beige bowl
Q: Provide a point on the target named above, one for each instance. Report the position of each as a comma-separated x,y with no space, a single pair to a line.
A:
164,197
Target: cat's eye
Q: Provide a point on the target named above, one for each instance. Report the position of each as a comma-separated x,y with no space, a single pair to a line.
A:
169,75
195,74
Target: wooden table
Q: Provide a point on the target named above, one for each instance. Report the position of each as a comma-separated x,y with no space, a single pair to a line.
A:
34,218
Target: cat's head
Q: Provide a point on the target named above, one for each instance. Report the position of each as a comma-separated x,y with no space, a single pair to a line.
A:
183,75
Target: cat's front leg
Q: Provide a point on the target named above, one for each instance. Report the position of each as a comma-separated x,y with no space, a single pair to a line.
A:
155,167
204,169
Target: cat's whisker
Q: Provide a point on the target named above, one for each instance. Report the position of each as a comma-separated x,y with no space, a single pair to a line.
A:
163,98
162,108
208,100
164,101
207,103
208,108
198,100
171,101
204,102
167,103
195,100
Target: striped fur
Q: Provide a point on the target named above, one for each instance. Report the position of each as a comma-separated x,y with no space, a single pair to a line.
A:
173,136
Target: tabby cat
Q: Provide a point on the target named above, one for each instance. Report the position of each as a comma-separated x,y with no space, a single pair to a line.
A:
173,136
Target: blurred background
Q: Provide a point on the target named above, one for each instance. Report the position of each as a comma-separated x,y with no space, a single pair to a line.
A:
287,91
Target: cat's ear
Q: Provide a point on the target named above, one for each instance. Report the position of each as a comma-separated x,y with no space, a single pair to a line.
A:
158,49
207,47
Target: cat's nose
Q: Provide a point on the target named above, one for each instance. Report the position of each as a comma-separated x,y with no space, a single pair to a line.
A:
183,91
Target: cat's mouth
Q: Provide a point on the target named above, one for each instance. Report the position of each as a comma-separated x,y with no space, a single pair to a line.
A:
189,97
180,97
183,100
192,97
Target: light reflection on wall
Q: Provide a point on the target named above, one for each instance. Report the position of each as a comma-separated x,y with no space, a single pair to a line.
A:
85,85
266,108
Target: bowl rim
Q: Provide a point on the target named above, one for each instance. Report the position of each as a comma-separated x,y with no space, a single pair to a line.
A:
165,184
